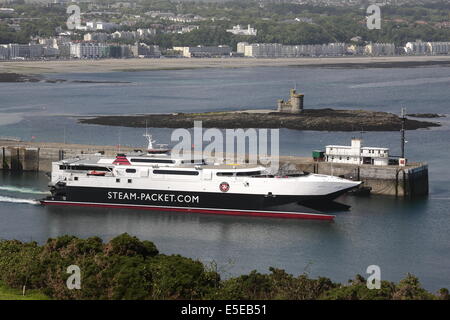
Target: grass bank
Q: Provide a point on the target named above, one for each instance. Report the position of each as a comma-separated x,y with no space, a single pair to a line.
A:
126,268
14,294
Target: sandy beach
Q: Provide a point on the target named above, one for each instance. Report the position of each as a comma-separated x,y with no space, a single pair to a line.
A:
109,65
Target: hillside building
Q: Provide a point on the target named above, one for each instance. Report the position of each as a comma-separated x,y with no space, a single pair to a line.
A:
238,30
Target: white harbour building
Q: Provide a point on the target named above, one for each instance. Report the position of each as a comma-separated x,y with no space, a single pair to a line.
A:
357,154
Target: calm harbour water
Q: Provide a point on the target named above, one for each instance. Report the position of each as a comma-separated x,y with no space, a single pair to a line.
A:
399,236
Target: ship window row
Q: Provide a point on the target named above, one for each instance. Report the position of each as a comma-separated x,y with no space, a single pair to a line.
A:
239,174
152,160
80,167
176,172
202,161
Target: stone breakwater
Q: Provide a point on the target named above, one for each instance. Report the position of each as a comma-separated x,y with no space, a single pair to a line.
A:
310,119
16,77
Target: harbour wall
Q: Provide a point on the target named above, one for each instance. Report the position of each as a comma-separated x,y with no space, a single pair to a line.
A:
35,156
408,182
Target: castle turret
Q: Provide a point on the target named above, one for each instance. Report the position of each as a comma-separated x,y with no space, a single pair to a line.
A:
296,101
280,104
293,105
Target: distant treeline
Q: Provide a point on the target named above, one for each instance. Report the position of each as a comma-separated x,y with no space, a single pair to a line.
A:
275,23
127,268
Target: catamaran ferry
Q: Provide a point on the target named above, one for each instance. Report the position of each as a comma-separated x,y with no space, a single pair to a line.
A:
156,180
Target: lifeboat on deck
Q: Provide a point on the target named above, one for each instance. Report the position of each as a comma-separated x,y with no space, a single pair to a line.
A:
96,173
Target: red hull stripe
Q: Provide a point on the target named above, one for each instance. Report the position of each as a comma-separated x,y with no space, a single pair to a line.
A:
273,214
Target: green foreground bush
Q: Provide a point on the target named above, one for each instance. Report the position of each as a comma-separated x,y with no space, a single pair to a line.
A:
127,268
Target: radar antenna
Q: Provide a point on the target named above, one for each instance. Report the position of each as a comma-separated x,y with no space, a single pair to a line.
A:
149,139
162,148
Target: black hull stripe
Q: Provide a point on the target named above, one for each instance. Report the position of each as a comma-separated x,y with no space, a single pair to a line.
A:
173,198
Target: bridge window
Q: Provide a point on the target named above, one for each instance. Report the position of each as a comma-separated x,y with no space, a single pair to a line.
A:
130,170
152,160
176,172
82,167
249,173
225,174
202,161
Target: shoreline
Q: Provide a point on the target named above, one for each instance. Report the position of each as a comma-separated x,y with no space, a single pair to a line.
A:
136,65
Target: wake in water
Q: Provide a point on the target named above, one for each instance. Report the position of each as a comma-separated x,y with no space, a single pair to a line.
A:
399,83
22,190
17,200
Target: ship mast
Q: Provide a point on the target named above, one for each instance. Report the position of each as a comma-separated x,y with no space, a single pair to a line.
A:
403,116
149,138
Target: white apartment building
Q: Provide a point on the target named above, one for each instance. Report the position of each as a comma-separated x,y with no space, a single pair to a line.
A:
418,47
31,51
143,33
143,50
380,49
241,47
36,50
96,36
18,50
201,51
422,48
86,50
355,50
357,154
50,52
128,35
263,50
98,25
4,52
276,50
238,30
436,48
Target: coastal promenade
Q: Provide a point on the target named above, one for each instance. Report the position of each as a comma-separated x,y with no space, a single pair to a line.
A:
108,65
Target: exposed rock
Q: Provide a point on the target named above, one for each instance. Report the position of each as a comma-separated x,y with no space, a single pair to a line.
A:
310,119
15,77
426,115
